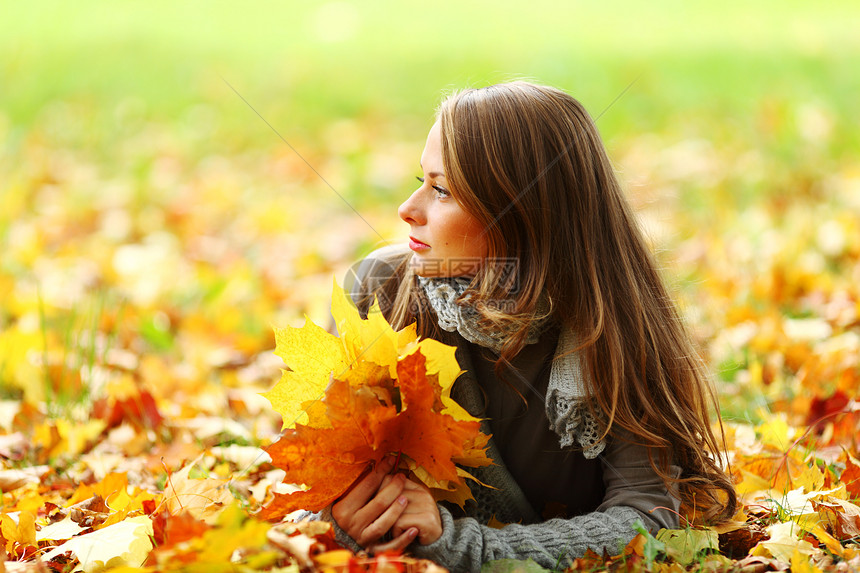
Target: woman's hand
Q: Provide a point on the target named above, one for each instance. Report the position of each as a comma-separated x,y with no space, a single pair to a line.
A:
372,506
421,513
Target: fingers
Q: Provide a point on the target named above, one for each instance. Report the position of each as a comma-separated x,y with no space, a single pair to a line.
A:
421,512
366,487
382,502
400,542
359,493
372,505
414,486
377,528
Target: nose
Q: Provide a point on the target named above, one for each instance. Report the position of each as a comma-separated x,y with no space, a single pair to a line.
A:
412,210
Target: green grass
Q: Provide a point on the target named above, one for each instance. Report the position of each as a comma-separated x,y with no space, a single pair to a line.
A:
306,63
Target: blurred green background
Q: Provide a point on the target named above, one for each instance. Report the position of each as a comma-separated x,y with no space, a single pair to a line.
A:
146,205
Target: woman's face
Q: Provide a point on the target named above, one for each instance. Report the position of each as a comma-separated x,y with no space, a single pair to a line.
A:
445,239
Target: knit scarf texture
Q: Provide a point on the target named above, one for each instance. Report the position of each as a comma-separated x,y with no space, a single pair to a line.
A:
566,409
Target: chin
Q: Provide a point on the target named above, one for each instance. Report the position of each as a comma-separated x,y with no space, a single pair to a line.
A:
423,269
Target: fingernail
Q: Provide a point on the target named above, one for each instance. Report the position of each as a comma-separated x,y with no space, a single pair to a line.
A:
389,462
412,532
402,500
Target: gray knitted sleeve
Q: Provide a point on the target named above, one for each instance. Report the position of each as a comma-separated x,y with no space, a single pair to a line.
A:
633,492
340,535
465,545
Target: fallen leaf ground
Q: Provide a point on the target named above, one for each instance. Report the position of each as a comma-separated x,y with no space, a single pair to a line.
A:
153,230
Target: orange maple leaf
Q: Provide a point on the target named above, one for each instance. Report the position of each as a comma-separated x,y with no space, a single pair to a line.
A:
431,439
329,459
370,393
850,476
365,427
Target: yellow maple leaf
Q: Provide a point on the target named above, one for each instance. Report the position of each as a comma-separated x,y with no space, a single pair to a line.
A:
15,345
114,489
20,530
800,563
751,483
774,431
314,357
29,499
107,488
311,354
371,340
810,478
457,492
77,435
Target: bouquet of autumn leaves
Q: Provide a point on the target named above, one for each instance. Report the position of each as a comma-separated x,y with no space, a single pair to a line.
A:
348,402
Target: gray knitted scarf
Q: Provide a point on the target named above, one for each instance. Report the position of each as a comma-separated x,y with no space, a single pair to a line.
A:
566,410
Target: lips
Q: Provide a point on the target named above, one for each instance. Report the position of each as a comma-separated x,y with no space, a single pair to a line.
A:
417,245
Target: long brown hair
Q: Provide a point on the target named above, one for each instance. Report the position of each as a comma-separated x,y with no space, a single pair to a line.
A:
528,162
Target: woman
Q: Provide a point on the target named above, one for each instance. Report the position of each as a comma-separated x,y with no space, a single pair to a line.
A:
525,254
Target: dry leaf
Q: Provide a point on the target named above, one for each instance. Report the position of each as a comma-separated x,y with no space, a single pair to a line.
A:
850,476
684,545
204,498
18,529
60,531
125,543
14,478
784,541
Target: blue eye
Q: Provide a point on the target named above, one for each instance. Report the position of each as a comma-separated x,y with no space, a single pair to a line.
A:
440,190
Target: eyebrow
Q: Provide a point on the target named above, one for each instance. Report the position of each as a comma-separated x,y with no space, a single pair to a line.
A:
432,173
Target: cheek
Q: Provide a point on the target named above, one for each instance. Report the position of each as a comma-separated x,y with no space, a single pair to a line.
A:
476,238
481,247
